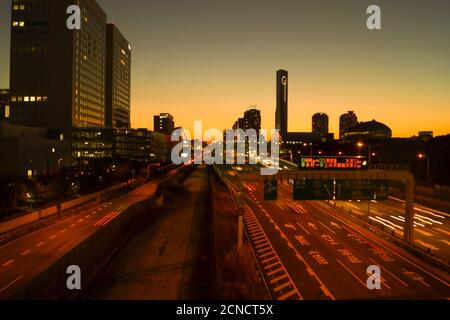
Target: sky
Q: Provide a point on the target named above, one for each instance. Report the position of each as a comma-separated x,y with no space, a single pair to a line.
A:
209,60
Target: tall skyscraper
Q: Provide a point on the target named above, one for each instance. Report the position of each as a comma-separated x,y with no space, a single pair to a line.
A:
118,79
252,119
164,123
281,113
239,124
320,123
57,75
346,121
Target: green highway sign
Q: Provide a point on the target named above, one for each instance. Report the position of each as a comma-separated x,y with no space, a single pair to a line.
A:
305,189
270,190
317,189
361,190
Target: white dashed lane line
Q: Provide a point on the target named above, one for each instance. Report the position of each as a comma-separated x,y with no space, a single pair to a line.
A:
7,263
40,244
25,252
52,237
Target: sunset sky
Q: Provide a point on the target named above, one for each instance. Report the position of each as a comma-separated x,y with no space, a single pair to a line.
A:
209,60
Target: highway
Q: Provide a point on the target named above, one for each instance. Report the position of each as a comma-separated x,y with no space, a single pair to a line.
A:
307,250
26,257
431,227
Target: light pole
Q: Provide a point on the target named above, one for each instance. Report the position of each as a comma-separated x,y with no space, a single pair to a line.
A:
422,156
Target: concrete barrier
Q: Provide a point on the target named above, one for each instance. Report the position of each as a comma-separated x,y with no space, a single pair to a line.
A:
39,214
90,255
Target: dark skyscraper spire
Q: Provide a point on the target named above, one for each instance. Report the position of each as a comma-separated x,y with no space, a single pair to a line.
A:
281,113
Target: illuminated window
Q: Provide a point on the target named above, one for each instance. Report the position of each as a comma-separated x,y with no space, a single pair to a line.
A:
19,98
22,7
15,23
38,98
44,98
7,112
13,98
16,7
21,23
26,99
32,99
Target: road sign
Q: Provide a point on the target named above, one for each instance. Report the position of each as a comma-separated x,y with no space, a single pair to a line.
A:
333,163
270,189
361,190
307,189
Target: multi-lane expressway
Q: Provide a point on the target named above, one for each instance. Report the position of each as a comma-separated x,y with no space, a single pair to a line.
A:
431,227
31,254
308,250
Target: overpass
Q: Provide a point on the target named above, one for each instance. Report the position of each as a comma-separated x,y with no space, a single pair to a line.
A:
384,173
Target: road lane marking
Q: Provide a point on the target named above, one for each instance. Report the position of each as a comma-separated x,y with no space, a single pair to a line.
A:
273,272
7,263
366,234
329,229
416,277
11,283
276,203
52,237
390,273
324,289
80,220
281,287
351,272
304,229
40,244
63,230
25,252
284,276
287,295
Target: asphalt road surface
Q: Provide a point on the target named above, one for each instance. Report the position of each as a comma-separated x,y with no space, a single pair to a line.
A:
313,252
26,257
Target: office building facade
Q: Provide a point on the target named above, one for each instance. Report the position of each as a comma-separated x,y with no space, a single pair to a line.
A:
347,121
320,124
57,75
164,123
118,79
252,119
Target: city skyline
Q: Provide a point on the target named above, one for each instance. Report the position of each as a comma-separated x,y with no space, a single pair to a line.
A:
397,75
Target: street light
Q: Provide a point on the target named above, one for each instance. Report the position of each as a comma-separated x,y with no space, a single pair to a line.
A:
422,156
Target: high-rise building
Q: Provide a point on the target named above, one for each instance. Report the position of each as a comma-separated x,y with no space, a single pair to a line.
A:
320,124
57,75
5,104
346,121
163,123
239,124
281,113
118,79
252,119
